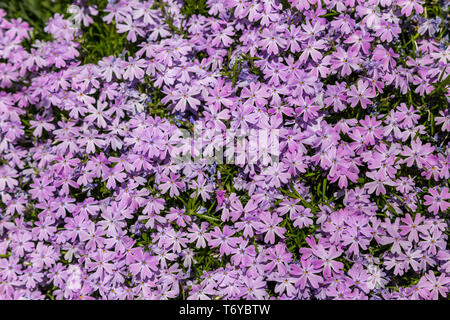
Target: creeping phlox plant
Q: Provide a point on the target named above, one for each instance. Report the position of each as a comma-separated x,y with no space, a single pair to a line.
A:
106,193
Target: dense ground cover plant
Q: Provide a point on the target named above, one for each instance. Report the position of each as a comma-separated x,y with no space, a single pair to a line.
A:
95,96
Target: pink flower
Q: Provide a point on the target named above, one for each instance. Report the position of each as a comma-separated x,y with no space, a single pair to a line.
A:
41,123
362,95
42,189
223,36
171,182
444,119
433,287
185,95
272,39
409,5
144,264
393,236
224,239
132,27
436,201
269,225
110,65
256,94
388,31
413,227
7,175
101,263
306,273
380,180
220,196
418,153
276,175
134,68
347,60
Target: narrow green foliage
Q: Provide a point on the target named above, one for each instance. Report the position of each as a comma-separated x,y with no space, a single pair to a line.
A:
35,12
192,7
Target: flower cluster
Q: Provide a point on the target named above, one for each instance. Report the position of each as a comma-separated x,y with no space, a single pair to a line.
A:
95,203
